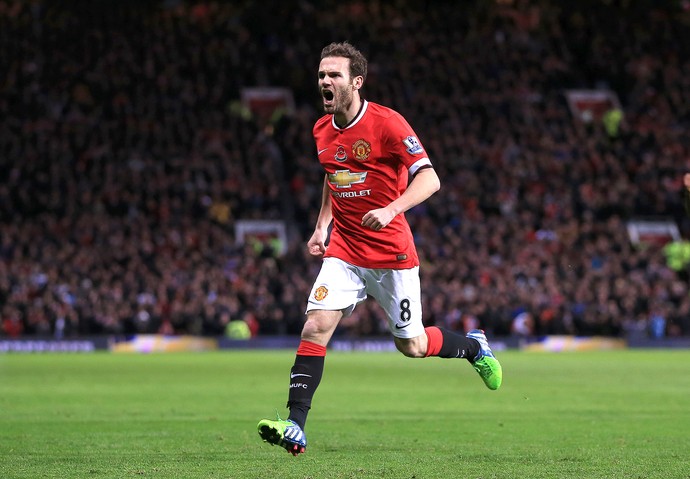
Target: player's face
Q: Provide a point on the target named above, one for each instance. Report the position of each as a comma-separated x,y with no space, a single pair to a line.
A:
335,85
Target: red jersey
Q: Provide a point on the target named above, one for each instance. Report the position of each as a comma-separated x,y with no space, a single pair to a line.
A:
367,163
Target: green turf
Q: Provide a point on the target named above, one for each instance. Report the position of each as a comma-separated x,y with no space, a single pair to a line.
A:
619,414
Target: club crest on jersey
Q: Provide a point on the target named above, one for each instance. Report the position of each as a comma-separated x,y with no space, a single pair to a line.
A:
320,293
346,178
361,149
413,146
340,154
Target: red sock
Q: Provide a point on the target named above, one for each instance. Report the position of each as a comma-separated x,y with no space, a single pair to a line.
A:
307,348
434,340
449,344
305,377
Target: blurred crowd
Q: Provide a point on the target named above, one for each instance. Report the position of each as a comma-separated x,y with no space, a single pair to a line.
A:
127,158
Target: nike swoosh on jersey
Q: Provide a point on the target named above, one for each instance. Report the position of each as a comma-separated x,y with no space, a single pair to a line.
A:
397,326
321,151
293,375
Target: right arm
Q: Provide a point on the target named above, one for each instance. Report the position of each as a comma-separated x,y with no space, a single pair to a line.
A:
317,243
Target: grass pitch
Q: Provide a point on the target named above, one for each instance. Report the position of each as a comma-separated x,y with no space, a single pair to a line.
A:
623,414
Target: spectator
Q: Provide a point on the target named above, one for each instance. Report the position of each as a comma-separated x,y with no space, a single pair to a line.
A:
124,162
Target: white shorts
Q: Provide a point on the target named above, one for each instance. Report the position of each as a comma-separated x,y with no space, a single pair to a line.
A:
340,286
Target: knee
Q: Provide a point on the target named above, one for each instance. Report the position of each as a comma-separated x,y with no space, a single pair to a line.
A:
412,348
411,352
320,326
312,329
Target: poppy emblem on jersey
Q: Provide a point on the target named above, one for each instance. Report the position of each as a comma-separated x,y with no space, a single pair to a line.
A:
413,146
340,154
346,178
320,293
361,149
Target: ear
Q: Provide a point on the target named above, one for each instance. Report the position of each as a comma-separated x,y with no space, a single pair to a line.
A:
357,82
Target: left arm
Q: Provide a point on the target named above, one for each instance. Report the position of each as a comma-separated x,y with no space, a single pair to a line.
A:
424,184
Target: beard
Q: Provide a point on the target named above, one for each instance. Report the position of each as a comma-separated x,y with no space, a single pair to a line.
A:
342,100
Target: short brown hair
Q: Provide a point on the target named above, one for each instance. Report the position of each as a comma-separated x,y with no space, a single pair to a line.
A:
358,63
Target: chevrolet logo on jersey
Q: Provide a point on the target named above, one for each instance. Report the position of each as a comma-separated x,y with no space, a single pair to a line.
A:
345,178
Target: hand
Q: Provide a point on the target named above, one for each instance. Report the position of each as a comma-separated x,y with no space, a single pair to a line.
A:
317,244
377,219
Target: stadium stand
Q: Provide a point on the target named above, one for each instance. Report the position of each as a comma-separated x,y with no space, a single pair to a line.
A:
127,157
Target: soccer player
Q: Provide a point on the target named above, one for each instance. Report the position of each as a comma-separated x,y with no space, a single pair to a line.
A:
368,152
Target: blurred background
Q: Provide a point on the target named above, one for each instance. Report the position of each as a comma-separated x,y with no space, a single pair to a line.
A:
158,174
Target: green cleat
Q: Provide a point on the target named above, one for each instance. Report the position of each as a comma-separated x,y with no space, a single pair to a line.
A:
285,434
485,363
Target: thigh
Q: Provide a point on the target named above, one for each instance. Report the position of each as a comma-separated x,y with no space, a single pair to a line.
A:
338,287
398,291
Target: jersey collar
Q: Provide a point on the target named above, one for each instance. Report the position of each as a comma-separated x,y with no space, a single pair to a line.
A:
353,122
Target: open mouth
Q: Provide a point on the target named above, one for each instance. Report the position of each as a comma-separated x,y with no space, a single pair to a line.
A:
327,95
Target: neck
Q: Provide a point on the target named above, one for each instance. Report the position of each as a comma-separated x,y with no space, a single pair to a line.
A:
342,119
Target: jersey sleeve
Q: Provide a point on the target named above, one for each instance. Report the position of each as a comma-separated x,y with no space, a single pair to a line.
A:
403,143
